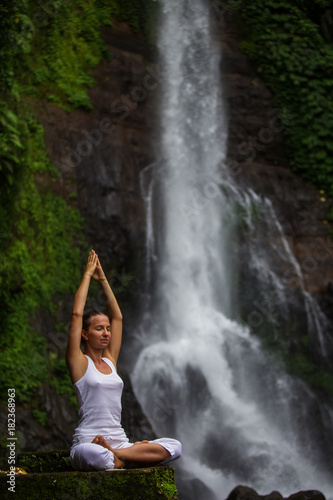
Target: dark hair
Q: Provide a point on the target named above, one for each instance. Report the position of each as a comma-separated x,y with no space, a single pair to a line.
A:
86,320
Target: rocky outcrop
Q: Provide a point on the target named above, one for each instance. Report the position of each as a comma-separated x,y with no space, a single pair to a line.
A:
50,475
245,493
257,158
101,153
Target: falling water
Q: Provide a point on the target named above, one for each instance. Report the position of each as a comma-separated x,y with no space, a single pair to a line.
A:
202,375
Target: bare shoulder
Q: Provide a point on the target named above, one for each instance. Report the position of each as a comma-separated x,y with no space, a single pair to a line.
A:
77,366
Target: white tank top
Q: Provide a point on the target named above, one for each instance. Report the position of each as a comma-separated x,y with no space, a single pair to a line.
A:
99,399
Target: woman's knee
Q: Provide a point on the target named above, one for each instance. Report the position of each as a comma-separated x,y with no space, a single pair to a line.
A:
177,446
173,446
91,456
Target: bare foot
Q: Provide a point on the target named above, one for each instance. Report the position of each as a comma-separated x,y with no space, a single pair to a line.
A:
99,439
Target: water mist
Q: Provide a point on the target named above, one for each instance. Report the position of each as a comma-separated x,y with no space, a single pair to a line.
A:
202,376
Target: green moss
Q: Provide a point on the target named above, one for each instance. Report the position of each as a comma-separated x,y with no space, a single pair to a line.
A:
59,43
47,52
308,370
63,51
47,461
293,56
41,255
139,484
73,195
61,380
245,216
157,481
285,338
40,416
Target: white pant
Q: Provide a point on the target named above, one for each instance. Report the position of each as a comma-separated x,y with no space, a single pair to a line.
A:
91,456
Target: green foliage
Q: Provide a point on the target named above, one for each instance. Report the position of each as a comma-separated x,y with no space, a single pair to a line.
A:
45,462
47,52
248,215
60,43
289,43
40,416
10,142
3,453
286,42
140,14
8,61
301,365
61,380
38,231
155,483
41,244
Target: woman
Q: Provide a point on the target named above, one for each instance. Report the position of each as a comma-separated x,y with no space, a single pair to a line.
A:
99,441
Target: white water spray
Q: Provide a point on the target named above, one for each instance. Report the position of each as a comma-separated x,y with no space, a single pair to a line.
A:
201,376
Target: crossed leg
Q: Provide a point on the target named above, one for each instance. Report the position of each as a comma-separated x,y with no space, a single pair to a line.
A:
142,452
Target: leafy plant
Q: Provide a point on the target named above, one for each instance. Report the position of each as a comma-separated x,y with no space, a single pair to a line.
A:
294,56
296,62
47,52
42,250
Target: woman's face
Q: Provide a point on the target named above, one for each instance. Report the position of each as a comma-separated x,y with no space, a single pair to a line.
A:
98,334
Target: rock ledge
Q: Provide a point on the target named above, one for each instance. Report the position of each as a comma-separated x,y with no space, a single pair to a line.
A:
245,493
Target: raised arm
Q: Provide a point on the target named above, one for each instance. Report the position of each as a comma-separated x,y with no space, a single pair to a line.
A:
114,313
75,359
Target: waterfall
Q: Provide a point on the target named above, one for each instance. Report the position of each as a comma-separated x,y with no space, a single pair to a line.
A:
202,374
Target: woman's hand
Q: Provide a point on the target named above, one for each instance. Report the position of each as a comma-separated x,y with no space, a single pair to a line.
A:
98,273
91,264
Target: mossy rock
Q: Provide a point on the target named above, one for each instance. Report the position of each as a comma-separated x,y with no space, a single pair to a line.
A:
155,483
45,461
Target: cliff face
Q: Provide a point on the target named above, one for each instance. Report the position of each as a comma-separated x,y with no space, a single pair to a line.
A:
104,151
51,475
101,153
257,158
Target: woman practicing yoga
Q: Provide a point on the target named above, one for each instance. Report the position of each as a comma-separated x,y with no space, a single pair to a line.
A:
99,441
